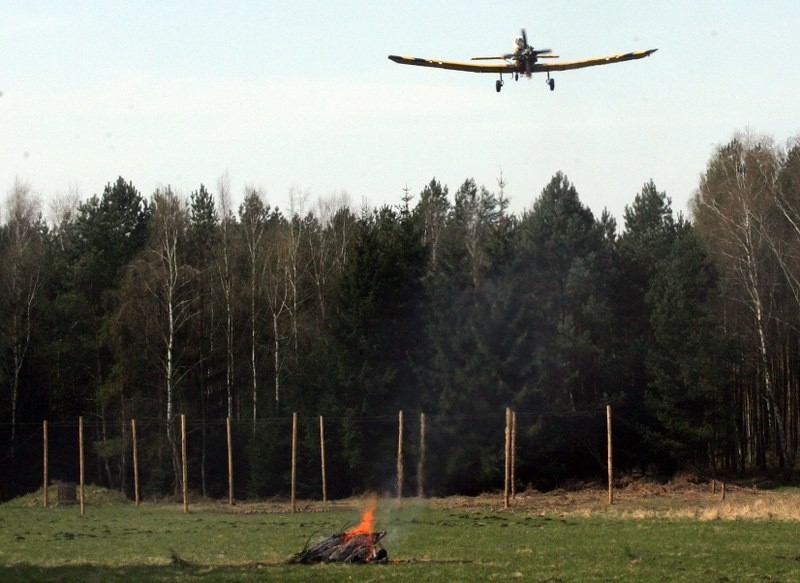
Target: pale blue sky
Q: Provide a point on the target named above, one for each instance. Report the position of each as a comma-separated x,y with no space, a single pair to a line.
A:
301,95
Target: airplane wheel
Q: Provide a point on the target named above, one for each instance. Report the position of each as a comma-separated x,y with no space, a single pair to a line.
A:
552,84
498,85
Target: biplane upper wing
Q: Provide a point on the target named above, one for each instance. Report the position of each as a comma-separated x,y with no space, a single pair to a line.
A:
457,65
567,65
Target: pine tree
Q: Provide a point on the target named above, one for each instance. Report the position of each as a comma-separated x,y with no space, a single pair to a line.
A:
689,362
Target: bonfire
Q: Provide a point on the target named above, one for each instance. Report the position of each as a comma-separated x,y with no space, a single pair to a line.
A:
359,544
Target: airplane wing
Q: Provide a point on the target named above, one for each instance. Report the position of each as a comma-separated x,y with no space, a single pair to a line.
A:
457,65
567,65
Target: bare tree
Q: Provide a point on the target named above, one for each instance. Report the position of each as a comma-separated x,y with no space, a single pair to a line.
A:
276,276
64,208
735,208
253,214
296,259
21,259
432,210
169,285
477,213
223,260
328,241
785,243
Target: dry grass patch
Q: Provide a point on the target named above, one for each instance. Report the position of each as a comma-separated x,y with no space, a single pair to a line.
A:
683,498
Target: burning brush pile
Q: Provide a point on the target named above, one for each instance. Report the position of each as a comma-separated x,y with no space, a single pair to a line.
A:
360,544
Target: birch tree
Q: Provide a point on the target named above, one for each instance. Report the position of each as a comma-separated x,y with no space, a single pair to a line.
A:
327,239
296,260
733,206
167,279
253,216
21,257
224,267
277,278
785,243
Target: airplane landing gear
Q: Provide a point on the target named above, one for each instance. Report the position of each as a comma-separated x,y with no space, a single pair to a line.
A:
498,85
551,83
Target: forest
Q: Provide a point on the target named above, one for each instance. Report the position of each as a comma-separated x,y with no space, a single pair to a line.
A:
124,306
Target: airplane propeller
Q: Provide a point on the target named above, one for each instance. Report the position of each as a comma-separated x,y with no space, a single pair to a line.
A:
523,53
529,54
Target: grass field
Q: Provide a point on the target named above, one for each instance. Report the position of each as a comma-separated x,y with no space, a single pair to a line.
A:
668,535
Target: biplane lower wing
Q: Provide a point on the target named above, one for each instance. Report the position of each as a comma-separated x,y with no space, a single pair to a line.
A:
457,65
567,65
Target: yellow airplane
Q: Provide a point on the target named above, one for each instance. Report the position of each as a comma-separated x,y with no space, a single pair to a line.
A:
524,60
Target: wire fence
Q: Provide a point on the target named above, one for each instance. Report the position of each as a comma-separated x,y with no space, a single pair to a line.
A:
310,457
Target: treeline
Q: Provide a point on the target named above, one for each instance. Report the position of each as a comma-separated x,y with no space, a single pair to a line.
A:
128,307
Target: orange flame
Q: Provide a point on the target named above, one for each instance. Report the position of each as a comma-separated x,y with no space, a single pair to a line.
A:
365,526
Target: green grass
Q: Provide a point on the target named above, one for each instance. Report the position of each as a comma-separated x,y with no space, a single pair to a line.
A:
118,541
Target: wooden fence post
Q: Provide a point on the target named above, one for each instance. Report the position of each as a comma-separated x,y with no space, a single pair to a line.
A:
506,485
513,455
610,457
421,461
184,467
44,462
400,455
82,494
322,458
230,460
294,461
135,463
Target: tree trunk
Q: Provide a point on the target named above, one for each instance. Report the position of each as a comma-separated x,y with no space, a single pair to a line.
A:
277,347
253,368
